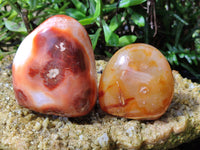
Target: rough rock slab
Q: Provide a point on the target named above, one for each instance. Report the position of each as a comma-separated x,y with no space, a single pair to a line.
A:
21,128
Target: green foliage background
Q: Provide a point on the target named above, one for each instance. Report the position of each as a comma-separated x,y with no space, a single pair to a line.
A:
172,26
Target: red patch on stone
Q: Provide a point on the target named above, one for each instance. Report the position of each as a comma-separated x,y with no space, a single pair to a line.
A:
55,80
59,46
33,72
82,104
21,97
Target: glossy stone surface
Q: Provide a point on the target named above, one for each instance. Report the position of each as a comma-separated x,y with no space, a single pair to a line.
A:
137,83
54,69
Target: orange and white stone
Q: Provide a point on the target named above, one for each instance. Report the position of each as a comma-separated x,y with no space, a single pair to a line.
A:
137,83
54,69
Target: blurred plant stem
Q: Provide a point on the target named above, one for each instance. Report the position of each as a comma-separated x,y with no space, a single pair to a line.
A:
23,13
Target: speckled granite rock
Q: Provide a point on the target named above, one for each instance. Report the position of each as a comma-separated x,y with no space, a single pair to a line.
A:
21,128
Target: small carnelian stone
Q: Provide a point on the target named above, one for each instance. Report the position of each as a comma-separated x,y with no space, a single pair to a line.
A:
137,83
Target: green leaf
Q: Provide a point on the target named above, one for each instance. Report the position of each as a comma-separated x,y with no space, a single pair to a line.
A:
138,19
174,59
127,39
178,33
196,36
3,36
94,38
75,13
182,55
56,7
33,3
188,58
128,3
14,6
15,27
80,6
87,20
180,19
91,6
3,3
1,57
113,40
108,54
170,59
12,15
92,19
115,22
194,59
107,31
122,4
64,6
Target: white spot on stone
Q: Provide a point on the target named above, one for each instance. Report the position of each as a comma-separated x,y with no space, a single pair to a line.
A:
61,46
53,73
103,140
144,90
